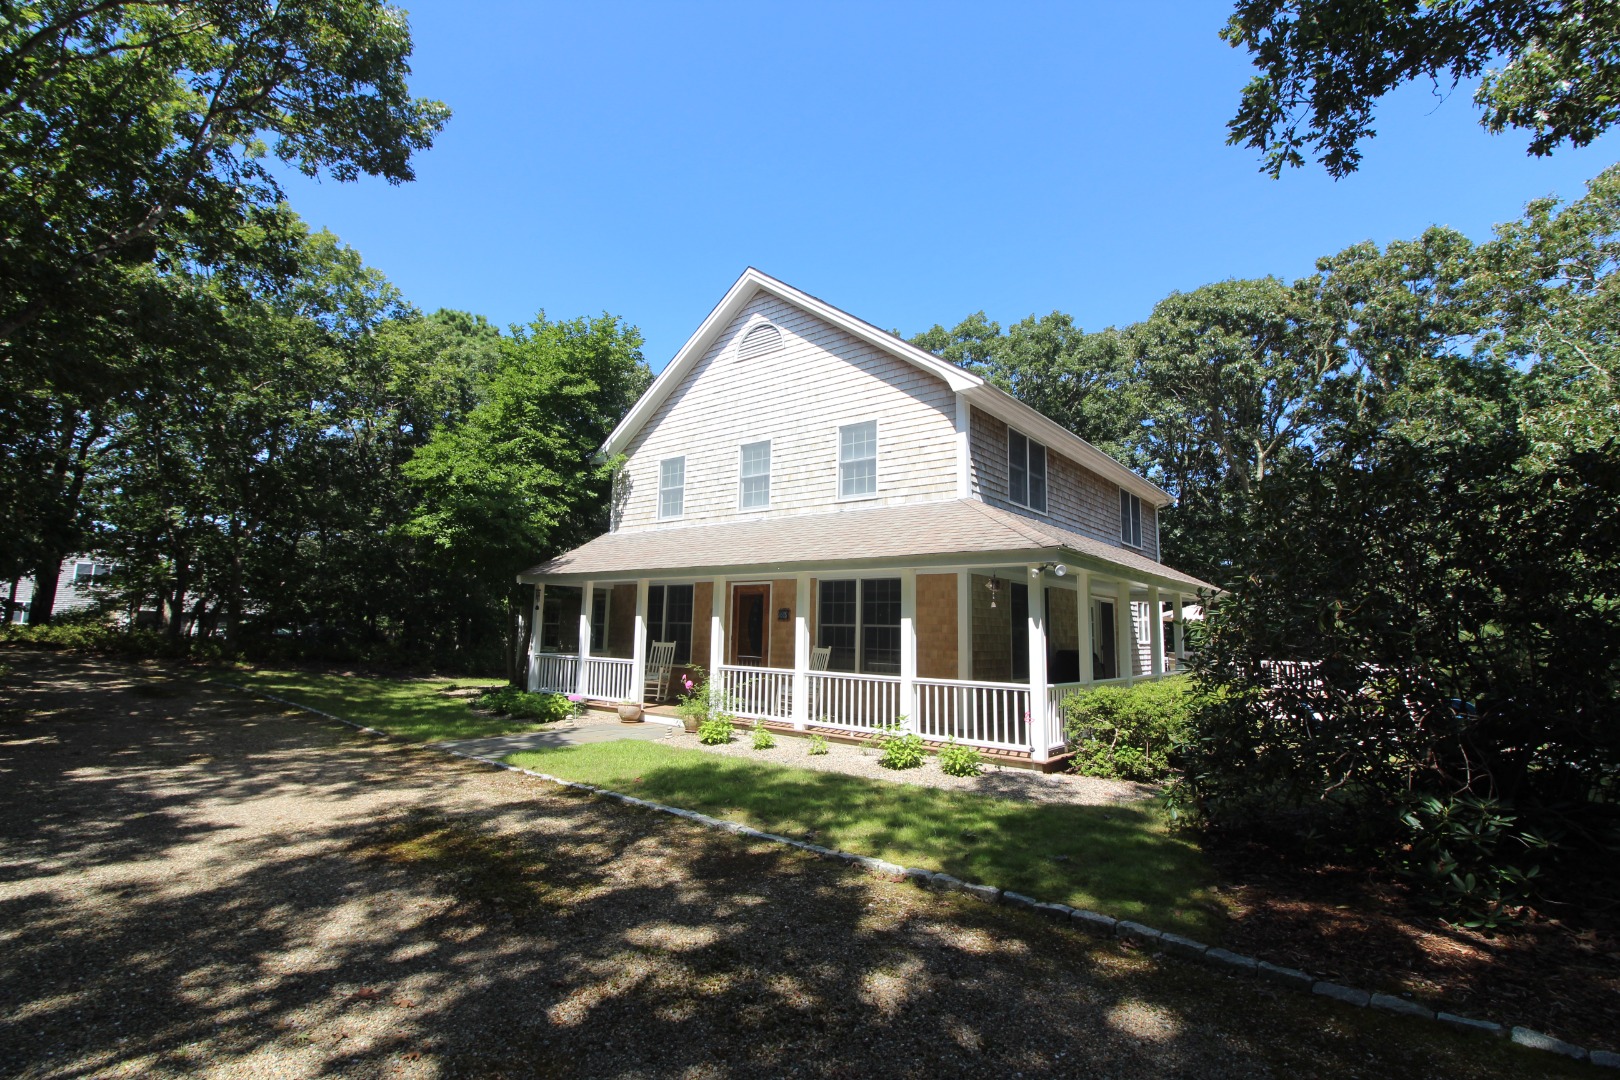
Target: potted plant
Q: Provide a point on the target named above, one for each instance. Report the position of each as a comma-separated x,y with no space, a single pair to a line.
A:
694,705
629,712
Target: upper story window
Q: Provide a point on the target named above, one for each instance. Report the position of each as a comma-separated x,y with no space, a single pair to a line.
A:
754,485
857,460
86,573
671,487
762,338
1026,471
1130,519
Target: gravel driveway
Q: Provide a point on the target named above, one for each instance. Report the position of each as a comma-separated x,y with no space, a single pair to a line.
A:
190,885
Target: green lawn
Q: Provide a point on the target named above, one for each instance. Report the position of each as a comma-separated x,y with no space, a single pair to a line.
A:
1118,860
410,708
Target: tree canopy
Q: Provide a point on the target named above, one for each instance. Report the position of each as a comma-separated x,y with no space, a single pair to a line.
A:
1324,64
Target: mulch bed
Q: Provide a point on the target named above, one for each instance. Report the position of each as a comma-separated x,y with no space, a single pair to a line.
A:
1558,974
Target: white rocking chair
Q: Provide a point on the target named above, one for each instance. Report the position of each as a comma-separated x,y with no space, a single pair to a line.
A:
660,662
819,658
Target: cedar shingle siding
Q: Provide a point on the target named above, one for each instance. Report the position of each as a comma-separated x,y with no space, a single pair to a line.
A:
797,397
1076,498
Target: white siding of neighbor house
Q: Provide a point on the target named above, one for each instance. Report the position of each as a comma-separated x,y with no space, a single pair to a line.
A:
797,397
69,595
1076,497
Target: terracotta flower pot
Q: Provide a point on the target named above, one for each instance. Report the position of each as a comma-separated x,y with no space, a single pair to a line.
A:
629,713
690,724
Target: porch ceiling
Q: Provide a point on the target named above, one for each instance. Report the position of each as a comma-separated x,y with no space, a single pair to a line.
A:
929,532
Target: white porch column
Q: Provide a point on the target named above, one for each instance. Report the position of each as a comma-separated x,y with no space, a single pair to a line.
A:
1082,583
801,651
717,628
587,596
1124,633
1040,719
964,624
638,644
1181,629
536,618
1156,630
908,648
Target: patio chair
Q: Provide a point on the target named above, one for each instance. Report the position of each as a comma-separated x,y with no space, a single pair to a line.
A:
660,662
819,658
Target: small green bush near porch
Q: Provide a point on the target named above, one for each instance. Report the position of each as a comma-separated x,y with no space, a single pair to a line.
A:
522,705
1127,732
1122,860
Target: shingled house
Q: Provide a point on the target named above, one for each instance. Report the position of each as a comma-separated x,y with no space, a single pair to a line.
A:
800,484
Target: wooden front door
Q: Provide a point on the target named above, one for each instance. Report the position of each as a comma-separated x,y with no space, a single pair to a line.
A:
751,625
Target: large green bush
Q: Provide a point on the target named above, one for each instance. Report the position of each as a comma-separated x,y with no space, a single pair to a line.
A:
542,708
1128,732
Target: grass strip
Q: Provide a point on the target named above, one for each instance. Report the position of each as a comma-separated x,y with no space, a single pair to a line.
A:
1122,860
414,708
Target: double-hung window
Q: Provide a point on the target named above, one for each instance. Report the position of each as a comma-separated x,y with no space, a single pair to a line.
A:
857,460
90,573
1130,519
860,622
671,487
1026,471
754,470
669,618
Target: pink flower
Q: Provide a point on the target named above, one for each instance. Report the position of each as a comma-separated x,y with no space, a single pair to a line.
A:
1026,718
687,680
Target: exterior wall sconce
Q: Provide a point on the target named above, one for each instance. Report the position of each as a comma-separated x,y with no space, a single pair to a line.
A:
994,585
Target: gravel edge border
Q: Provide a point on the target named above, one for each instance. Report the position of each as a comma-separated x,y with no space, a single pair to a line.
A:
1091,922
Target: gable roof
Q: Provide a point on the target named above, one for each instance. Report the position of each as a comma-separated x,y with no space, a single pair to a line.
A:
972,387
842,539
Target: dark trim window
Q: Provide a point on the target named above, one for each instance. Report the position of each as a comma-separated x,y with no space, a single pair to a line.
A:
669,618
600,599
1026,471
87,573
1130,519
671,487
754,476
860,622
559,619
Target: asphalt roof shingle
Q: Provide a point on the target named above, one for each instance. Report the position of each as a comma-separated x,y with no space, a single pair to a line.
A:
948,527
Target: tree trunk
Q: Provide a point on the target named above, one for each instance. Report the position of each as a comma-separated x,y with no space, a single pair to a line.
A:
11,603
43,602
520,628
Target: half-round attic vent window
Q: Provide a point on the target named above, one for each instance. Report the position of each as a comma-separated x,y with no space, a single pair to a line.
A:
761,339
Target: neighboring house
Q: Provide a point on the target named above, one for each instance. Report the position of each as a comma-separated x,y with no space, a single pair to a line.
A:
797,480
75,587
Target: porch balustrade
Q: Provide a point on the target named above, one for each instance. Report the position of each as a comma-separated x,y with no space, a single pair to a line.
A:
758,693
994,715
859,702
610,679
556,672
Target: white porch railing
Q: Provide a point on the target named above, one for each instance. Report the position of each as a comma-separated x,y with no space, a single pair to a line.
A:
557,672
994,715
861,702
758,693
608,679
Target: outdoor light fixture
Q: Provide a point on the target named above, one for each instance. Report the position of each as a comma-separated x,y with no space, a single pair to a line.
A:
1057,568
994,585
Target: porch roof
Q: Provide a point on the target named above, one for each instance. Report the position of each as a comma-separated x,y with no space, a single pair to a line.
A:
932,532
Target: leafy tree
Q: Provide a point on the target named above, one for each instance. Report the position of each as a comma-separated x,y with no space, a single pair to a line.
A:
1324,64
517,480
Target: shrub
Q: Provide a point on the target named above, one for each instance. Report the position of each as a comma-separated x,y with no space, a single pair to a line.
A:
816,744
1128,732
715,731
955,760
896,750
522,705
763,740
702,699
1456,855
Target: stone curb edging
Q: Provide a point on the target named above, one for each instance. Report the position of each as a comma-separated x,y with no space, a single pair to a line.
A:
1091,922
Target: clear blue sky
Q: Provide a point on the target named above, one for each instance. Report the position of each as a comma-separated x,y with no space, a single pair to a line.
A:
910,163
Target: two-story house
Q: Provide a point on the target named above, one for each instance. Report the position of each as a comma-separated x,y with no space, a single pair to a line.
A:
844,529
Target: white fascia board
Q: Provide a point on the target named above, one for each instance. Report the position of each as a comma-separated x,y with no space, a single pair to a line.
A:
1015,413
736,297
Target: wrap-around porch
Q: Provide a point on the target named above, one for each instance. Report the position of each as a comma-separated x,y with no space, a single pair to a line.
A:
981,654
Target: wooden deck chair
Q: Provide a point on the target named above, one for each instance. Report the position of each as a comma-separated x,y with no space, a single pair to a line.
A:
819,658
660,662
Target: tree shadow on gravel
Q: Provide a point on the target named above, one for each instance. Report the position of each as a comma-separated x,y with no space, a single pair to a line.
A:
310,906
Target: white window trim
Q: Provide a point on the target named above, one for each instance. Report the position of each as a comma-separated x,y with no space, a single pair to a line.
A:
860,620
1140,542
770,471
660,496
1046,452
838,460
